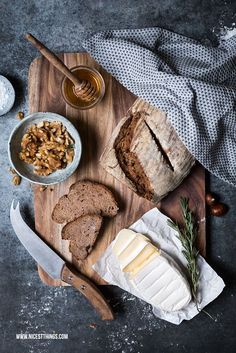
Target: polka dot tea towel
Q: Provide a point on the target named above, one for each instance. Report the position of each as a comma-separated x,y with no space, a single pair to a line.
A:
194,84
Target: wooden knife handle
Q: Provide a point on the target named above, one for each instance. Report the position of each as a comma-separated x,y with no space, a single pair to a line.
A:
89,290
53,58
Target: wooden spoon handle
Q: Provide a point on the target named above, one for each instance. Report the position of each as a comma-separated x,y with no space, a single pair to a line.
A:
89,290
52,58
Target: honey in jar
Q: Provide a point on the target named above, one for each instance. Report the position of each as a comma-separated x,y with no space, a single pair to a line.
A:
83,73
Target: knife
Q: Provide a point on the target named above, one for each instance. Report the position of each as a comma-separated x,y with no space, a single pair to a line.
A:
55,266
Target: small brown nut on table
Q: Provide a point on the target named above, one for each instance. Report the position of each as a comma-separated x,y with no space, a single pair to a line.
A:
16,180
20,115
43,188
218,209
210,199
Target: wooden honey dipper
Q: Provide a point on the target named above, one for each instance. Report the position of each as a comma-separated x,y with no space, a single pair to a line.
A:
82,88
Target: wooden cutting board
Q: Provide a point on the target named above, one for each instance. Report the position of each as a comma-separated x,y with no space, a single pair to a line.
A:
95,127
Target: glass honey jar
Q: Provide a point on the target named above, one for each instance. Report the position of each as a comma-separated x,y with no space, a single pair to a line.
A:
83,73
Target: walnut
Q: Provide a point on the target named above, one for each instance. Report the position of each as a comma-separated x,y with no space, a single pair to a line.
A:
16,180
69,155
54,163
43,188
48,146
20,115
32,148
25,141
43,171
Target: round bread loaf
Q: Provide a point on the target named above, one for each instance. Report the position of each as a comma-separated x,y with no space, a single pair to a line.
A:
146,154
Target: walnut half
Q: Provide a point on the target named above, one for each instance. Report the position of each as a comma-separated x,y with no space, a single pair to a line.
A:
16,180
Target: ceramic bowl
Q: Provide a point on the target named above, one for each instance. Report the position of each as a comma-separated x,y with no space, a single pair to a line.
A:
26,170
10,93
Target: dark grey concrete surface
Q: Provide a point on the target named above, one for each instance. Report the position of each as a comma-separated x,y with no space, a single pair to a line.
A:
28,306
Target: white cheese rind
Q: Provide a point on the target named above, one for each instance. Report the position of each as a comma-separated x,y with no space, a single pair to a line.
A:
123,239
128,245
162,285
154,274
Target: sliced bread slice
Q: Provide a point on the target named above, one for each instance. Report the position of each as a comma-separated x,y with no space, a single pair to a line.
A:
100,199
84,229
82,234
85,197
64,209
80,253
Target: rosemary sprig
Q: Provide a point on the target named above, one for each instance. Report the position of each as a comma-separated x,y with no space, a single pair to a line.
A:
187,235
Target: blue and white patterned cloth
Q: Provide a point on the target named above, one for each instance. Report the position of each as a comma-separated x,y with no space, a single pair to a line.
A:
194,84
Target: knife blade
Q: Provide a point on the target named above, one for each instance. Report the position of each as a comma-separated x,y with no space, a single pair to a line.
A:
55,266
43,254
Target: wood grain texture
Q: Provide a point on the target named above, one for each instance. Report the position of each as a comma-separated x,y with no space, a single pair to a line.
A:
95,127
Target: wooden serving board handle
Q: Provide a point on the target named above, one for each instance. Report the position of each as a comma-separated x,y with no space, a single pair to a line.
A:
52,58
89,290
